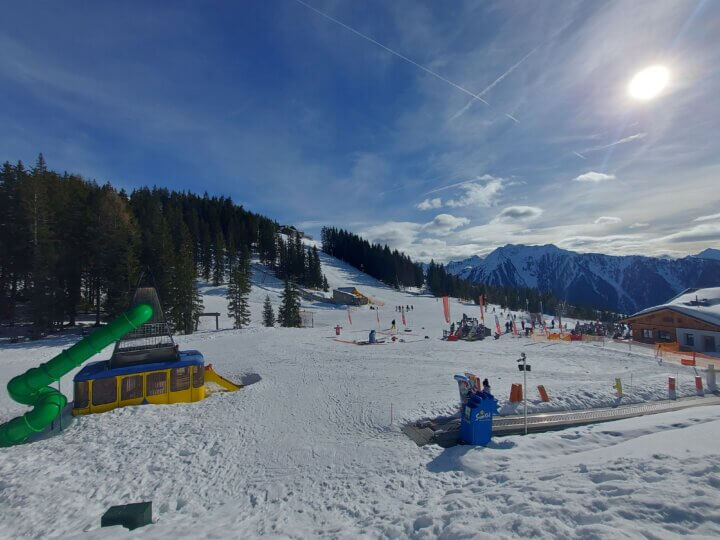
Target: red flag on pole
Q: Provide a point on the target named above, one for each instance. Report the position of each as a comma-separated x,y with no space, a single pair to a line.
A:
482,311
446,308
515,331
349,317
497,325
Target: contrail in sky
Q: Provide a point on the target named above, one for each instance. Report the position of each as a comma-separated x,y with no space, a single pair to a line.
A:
443,188
624,140
391,51
493,84
578,154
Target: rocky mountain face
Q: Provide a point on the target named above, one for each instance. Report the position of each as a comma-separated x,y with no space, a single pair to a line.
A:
625,284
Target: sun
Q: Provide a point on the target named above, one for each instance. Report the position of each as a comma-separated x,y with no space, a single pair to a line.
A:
649,82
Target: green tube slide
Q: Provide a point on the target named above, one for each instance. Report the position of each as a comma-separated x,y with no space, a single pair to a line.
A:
31,388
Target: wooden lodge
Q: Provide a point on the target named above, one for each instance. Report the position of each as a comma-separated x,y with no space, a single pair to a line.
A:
691,319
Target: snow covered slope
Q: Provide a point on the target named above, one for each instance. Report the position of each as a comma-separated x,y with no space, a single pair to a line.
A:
621,283
310,450
709,253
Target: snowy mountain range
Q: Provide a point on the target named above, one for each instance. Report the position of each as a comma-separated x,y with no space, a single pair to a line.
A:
625,284
709,253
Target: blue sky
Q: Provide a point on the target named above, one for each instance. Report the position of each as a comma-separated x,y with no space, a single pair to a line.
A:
513,124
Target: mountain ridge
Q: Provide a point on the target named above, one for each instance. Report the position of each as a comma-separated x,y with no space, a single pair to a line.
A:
622,283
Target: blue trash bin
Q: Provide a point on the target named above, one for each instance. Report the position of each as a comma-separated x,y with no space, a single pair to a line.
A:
476,418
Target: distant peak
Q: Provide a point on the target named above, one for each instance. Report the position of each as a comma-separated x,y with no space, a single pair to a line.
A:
709,253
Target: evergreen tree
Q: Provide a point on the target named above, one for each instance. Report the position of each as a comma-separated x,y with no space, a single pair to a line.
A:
45,293
268,313
218,272
187,302
289,312
325,285
238,290
205,252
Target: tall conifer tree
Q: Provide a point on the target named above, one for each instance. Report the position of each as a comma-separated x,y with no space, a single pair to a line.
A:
268,313
289,312
238,291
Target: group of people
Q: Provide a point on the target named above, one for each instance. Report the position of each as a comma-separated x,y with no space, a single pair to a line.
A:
404,308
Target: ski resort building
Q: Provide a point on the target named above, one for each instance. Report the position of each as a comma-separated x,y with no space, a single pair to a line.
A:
350,296
691,319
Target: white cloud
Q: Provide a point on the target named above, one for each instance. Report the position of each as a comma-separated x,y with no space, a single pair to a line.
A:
699,233
444,224
477,194
429,204
638,225
592,176
605,243
396,234
607,220
520,212
707,218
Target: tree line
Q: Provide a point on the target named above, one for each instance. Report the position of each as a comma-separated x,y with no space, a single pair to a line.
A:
391,267
71,246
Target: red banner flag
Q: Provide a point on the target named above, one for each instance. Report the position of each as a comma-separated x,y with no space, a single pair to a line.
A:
446,308
482,310
514,326
497,325
349,317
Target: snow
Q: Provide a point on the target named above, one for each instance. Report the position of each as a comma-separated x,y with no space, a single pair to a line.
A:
703,304
309,450
709,253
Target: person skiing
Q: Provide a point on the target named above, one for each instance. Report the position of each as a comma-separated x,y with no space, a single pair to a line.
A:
371,338
392,325
486,386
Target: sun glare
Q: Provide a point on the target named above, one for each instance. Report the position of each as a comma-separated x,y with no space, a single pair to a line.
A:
649,82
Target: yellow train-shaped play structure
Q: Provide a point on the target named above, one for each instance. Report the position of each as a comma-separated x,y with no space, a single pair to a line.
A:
146,368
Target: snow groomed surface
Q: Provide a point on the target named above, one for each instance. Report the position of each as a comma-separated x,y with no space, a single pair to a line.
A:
314,449
32,387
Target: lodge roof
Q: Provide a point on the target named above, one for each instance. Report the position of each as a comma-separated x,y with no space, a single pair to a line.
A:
702,304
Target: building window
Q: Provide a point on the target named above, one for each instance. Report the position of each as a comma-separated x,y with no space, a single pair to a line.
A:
179,379
81,395
156,383
710,344
131,387
104,391
690,340
198,376
647,333
664,335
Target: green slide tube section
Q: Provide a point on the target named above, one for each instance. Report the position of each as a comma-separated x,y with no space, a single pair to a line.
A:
31,388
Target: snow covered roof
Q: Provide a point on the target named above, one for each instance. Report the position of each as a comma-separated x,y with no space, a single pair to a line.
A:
703,304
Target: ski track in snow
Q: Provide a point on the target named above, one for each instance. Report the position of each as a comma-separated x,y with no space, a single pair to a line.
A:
309,449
